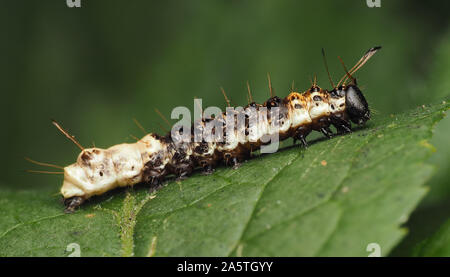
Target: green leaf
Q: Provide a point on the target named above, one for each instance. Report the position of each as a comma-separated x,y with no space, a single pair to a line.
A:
440,84
332,199
434,209
436,246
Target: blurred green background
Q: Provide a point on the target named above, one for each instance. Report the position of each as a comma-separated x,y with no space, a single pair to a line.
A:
96,67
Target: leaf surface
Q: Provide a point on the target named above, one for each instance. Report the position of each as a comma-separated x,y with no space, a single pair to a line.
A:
332,199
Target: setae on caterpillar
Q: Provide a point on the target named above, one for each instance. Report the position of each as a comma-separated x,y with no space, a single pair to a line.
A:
228,138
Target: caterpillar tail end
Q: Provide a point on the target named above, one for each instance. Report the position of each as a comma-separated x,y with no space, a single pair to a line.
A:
72,203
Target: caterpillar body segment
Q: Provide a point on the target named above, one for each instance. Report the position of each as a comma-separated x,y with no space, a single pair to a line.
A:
99,170
153,157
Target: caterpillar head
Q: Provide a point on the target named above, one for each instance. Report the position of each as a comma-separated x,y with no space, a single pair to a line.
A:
356,105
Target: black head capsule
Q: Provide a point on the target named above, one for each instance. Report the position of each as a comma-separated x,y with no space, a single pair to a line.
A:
356,105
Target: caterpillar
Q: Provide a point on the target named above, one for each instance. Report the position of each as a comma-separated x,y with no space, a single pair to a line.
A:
153,157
